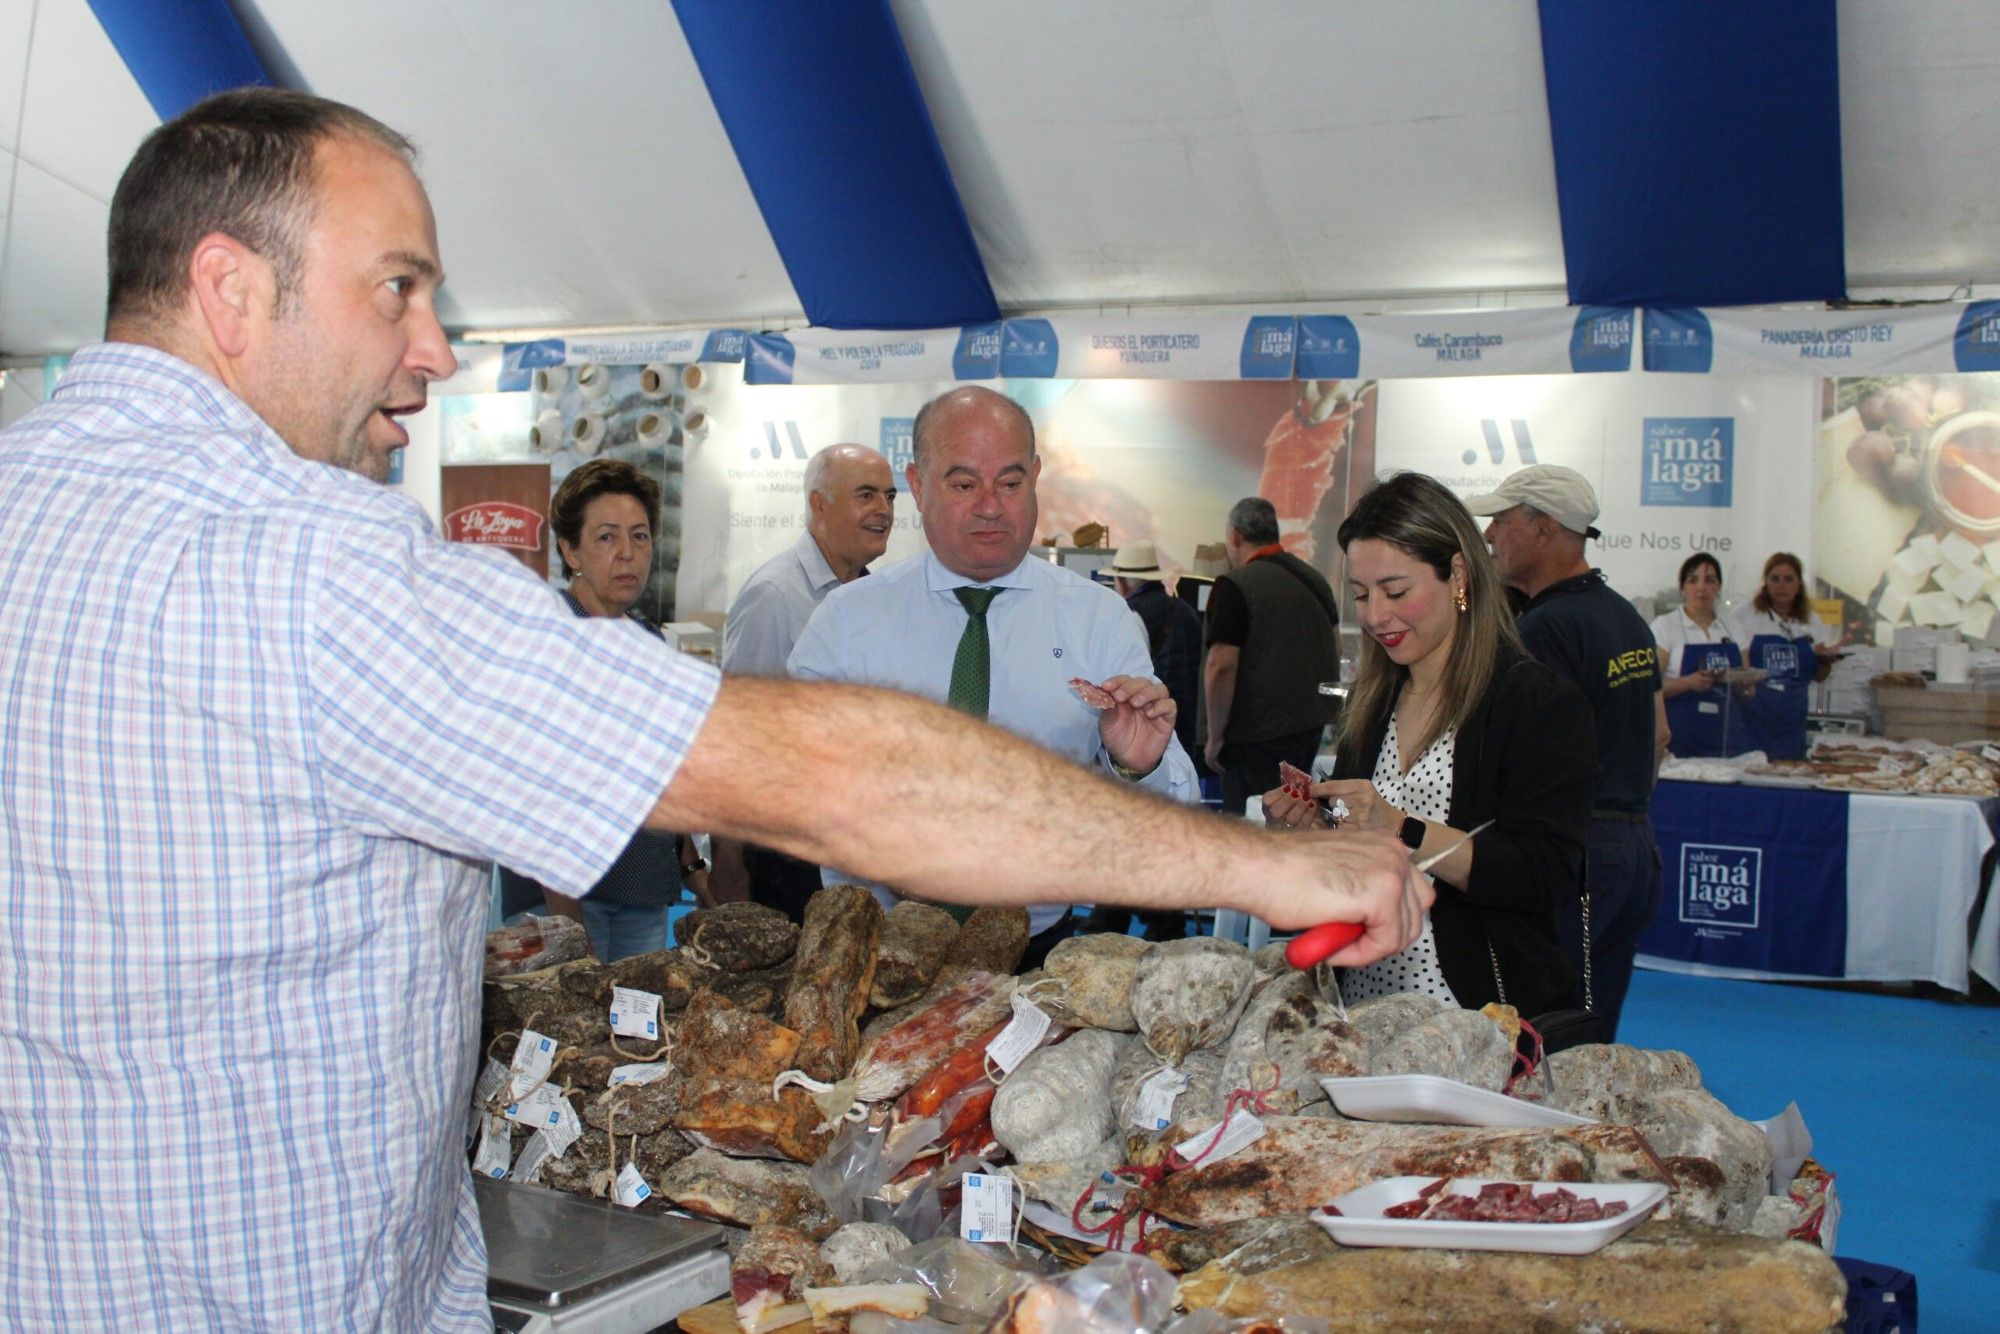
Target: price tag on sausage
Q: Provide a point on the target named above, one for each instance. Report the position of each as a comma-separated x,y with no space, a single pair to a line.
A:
650,1072
631,1187
1155,1107
533,1056
987,1211
1230,1135
534,1154
635,1013
1011,1045
1990,754
496,1149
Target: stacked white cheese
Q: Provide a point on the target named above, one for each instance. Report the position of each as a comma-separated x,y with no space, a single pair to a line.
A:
1941,581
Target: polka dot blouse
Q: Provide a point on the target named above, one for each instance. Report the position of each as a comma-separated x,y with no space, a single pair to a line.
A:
1424,792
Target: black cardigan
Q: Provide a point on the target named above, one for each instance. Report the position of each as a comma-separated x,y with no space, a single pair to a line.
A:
1527,759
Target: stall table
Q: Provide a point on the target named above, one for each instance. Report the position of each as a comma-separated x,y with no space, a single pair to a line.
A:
1806,884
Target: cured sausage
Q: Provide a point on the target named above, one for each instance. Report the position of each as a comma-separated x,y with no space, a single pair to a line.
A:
915,939
1188,994
831,977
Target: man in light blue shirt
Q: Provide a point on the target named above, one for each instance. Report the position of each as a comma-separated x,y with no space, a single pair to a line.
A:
973,478
850,508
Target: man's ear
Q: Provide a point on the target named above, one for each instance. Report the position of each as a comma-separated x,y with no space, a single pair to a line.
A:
913,483
231,284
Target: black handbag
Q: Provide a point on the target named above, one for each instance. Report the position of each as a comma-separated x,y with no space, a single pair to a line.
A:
1559,1030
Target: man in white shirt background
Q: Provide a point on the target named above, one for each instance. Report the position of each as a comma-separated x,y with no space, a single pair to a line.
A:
850,498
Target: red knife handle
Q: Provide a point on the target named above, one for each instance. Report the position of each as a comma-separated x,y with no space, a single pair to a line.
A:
1312,947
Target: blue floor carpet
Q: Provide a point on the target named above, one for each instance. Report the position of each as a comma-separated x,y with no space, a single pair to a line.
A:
1902,1095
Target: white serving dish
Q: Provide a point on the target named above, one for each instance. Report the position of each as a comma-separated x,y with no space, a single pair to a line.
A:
1435,1100
1361,1222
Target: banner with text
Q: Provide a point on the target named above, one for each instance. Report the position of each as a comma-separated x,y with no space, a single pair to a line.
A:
1150,347
1890,340
1679,465
1535,341
835,356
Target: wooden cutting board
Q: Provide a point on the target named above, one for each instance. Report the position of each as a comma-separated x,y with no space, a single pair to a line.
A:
719,1317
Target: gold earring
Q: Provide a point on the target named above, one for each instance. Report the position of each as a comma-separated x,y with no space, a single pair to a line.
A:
1458,600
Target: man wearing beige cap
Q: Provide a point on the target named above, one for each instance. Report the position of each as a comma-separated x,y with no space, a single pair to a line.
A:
1173,630
1576,624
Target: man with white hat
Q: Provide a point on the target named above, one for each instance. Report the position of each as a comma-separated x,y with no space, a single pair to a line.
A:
1173,630
1575,623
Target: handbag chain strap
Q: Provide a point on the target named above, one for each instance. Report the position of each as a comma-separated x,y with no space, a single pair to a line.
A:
1589,990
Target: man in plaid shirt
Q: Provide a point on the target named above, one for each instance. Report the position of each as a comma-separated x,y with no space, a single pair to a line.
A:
260,729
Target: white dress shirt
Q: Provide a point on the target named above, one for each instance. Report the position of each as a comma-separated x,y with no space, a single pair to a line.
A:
772,608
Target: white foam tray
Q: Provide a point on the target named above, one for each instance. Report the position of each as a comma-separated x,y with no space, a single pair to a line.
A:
1435,1100
1361,1222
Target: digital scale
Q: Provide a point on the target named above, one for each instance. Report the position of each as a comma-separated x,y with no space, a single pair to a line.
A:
558,1262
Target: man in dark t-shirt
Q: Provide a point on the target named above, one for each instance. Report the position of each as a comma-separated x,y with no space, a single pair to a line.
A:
1271,642
1576,624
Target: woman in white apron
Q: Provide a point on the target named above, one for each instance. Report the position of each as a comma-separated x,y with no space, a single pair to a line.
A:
1696,648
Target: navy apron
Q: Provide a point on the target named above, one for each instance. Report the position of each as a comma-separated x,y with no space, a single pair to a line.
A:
1775,717
1696,717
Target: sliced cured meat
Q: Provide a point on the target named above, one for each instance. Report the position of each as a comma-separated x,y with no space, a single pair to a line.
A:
1096,696
769,1275
1301,1163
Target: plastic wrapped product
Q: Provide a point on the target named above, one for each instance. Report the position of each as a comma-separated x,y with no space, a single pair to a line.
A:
1250,1246
1188,994
746,1192
893,1059
1092,980
1289,1039
968,1284
1381,1019
831,976
1057,1104
1661,1275
855,1246
1613,1067
1113,1294
1199,1103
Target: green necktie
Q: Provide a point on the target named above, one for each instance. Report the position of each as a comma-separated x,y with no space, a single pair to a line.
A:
971,678
971,666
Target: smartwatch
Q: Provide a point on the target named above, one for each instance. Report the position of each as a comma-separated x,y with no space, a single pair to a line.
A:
1412,832
695,867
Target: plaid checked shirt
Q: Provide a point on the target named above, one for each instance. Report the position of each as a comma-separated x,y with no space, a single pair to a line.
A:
258,728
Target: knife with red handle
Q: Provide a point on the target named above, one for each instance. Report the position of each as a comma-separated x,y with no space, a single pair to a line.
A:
1313,946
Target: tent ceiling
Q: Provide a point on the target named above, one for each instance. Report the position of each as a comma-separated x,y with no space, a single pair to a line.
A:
1185,152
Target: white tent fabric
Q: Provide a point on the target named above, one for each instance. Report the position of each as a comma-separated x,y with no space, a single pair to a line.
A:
1392,154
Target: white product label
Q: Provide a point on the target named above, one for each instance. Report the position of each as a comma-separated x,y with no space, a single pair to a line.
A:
490,1080
1990,753
631,1187
635,1013
1219,1141
987,1213
1155,1110
532,1059
547,1110
536,1152
496,1150
649,1073
1013,1043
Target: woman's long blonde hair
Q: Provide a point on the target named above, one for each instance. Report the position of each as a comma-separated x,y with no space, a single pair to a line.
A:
1421,518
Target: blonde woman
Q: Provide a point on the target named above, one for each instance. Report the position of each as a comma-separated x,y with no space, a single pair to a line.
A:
1451,724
